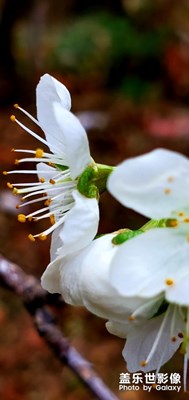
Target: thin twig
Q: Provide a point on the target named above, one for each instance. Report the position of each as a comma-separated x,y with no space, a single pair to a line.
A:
36,301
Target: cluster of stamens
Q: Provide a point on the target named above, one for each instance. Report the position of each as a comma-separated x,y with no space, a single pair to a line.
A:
180,335
53,188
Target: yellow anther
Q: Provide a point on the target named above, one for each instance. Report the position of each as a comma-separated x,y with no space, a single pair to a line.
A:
187,238
186,220
21,218
170,179
42,180
12,149
15,191
30,219
169,281
5,172
143,363
42,237
9,185
131,318
47,202
52,219
167,191
17,162
16,105
52,181
50,164
39,153
31,237
172,223
17,206
13,118
181,214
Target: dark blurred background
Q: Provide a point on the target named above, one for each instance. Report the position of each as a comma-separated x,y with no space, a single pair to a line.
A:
126,64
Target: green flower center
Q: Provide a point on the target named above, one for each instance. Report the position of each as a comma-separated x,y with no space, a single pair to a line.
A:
92,182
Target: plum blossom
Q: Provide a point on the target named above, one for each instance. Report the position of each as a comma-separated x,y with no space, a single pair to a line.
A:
156,262
84,279
68,181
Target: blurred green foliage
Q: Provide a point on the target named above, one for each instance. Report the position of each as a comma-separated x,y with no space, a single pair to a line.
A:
111,46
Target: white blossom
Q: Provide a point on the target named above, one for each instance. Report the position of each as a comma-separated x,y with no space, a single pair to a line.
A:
58,171
155,262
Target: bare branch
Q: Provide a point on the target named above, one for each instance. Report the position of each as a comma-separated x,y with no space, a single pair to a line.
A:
36,301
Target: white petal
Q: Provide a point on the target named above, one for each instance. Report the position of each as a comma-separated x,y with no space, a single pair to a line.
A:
117,328
154,184
81,224
179,292
73,137
85,278
50,90
143,264
141,339
56,243
50,279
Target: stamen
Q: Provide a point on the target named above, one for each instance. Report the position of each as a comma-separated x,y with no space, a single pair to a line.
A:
42,237
23,151
31,237
13,119
52,228
34,171
31,202
170,179
27,114
131,318
21,218
169,281
167,191
143,363
5,173
48,202
185,369
9,185
52,219
39,153
157,338
141,310
173,322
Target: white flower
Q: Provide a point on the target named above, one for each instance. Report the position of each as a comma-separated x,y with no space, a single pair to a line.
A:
59,171
155,262
83,280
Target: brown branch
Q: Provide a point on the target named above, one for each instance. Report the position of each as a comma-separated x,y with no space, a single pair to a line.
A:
36,301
